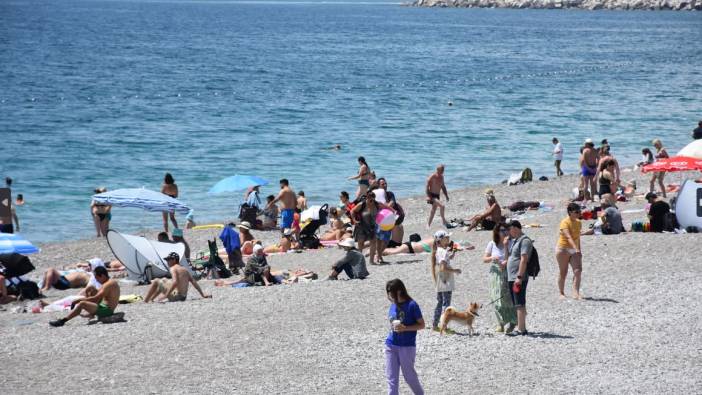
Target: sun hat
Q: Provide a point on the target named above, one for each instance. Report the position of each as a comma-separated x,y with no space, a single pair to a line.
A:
173,255
177,232
347,243
257,248
440,234
588,141
95,263
244,225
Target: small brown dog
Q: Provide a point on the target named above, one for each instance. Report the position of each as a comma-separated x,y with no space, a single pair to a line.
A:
467,316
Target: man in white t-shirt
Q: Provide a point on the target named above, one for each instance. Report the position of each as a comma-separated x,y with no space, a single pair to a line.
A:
558,156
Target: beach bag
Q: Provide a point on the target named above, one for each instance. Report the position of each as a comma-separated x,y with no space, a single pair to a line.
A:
24,290
248,213
310,242
527,176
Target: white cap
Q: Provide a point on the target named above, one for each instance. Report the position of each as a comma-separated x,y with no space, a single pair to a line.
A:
347,243
440,234
588,141
96,262
257,248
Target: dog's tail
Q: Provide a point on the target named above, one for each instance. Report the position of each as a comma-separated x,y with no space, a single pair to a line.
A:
445,318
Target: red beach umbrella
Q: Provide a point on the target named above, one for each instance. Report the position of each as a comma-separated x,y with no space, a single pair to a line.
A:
674,163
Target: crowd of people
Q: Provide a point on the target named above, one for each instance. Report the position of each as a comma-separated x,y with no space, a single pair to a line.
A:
354,227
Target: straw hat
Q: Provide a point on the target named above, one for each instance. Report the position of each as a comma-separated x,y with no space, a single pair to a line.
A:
244,225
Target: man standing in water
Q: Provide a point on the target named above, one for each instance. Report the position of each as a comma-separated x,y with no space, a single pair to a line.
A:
435,185
287,198
557,156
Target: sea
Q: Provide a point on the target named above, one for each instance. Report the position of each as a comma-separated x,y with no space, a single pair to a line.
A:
117,93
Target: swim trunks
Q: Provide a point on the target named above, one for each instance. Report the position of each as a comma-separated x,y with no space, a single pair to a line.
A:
426,247
286,218
6,228
102,216
164,285
409,247
383,235
589,171
62,283
103,310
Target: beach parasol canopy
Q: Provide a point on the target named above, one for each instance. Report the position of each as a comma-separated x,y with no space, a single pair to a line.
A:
12,243
141,198
692,150
237,183
674,163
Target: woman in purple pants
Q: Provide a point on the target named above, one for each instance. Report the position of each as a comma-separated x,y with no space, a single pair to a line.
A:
400,346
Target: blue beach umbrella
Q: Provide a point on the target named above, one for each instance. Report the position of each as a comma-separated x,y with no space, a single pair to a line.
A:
141,198
237,183
12,243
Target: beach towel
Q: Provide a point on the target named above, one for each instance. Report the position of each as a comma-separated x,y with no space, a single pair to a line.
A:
125,299
230,239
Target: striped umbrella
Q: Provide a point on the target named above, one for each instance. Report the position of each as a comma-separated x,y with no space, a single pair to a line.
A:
141,198
12,243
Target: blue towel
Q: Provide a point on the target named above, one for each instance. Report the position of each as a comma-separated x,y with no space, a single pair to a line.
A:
240,285
230,239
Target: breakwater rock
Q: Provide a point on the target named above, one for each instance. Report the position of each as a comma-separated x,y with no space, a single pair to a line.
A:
678,5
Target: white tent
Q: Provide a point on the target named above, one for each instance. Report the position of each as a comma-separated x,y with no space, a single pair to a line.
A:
143,258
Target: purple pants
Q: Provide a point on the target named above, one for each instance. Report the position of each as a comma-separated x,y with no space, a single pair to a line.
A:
397,358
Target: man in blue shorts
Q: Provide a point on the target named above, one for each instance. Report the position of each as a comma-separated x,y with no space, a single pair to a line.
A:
287,199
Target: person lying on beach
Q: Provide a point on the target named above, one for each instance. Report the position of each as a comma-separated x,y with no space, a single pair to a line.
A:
418,247
111,266
4,296
353,263
490,217
175,289
63,280
338,230
64,303
102,304
285,244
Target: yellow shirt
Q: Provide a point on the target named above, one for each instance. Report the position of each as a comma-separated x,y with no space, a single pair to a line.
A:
573,228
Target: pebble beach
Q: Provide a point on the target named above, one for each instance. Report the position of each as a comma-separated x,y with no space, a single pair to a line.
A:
636,331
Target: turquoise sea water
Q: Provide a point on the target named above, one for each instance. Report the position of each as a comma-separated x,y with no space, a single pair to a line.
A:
116,93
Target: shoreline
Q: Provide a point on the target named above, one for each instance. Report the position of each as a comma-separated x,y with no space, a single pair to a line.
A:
589,5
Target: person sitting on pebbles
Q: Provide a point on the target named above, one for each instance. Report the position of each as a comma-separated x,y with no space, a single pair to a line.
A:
102,304
490,217
175,289
353,263
285,244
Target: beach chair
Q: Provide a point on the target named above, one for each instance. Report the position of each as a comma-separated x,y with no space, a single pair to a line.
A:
215,267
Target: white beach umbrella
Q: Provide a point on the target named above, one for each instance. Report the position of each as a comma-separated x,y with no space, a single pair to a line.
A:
692,150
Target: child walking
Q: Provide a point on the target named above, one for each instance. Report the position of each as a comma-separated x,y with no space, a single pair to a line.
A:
400,346
441,255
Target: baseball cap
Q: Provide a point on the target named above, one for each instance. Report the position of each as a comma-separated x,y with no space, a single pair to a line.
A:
173,255
440,234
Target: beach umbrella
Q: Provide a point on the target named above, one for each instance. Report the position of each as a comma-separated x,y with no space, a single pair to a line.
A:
12,243
674,163
141,198
692,150
237,183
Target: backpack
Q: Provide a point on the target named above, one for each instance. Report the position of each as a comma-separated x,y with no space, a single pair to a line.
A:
533,267
25,290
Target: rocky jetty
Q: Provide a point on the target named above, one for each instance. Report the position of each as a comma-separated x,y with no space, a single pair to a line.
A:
677,5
